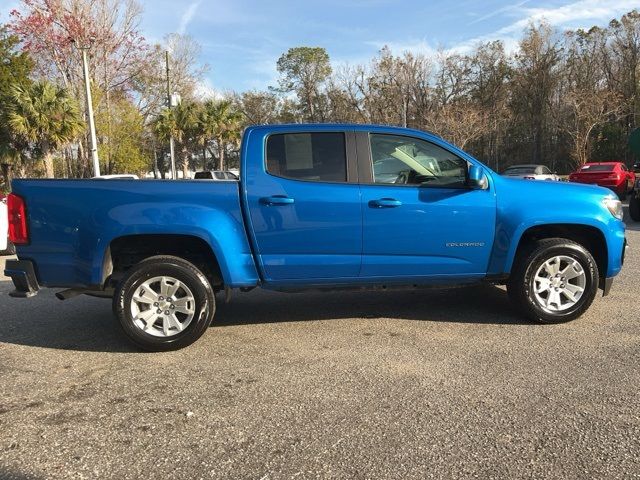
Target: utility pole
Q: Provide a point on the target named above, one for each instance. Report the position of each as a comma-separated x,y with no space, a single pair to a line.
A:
92,126
169,105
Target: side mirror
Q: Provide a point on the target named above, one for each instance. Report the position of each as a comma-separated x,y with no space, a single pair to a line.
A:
477,179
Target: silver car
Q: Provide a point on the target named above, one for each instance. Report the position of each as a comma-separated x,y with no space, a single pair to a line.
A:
531,172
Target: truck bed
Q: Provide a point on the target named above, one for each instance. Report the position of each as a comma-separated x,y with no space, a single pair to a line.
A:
73,222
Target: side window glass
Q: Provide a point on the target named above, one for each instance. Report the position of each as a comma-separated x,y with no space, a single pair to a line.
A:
219,175
319,157
546,171
410,161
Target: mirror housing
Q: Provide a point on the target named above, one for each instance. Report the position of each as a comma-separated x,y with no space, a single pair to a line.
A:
477,179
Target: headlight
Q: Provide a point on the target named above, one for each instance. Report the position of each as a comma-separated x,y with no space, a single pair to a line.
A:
614,206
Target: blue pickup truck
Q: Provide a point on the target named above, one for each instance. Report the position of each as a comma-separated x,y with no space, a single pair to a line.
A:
316,206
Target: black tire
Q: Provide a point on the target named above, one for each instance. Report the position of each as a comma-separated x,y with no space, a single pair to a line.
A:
189,276
520,285
622,194
634,208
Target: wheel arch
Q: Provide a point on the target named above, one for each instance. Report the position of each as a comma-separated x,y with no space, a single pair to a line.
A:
126,250
589,236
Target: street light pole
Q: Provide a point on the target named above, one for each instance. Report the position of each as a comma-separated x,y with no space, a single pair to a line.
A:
169,105
92,125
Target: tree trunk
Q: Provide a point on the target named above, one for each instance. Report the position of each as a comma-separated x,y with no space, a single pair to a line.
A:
7,173
221,153
47,158
185,163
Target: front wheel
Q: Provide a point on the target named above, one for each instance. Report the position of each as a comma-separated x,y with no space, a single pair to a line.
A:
164,303
553,281
634,208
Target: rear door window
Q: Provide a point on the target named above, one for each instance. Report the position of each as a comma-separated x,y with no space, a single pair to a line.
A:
319,157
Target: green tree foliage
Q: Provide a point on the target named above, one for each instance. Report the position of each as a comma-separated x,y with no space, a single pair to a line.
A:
304,70
44,117
220,122
15,68
181,122
125,152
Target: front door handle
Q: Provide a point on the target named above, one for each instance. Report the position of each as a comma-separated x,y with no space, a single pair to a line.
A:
385,203
276,200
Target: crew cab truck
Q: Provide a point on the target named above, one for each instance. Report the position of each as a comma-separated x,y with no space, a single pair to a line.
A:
316,206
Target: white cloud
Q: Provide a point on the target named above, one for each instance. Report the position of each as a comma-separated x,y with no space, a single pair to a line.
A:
413,46
187,16
582,11
578,14
497,12
205,91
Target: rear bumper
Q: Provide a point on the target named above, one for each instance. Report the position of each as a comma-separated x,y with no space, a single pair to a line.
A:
610,184
24,278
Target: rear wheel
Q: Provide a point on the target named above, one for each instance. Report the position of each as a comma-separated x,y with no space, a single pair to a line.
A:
164,303
634,208
622,193
553,281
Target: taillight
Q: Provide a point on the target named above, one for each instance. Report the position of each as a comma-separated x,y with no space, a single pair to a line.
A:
17,220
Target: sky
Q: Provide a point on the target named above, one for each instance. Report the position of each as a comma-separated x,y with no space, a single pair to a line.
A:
242,39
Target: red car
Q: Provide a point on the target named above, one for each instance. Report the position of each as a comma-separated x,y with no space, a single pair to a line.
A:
613,175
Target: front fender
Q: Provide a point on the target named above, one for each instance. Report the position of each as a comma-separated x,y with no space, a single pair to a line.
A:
523,204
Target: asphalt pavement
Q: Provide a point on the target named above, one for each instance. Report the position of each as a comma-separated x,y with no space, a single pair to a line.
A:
394,384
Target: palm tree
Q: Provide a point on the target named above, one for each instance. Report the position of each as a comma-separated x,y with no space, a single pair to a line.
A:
221,123
181,122
45,116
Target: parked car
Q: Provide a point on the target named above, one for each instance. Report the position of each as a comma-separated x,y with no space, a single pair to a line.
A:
310,211
613,175
634,203
215,175
531,172
117,176
6,247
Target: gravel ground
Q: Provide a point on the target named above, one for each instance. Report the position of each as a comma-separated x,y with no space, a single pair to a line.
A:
409,384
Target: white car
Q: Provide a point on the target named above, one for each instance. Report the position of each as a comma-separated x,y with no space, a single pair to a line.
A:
215,175
530,172
5,248
117,176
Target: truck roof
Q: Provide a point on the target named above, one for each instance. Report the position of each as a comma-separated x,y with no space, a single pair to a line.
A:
339,126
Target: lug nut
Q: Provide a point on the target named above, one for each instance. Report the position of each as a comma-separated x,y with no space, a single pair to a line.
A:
159,311
155,304
161,298
172,306
166,312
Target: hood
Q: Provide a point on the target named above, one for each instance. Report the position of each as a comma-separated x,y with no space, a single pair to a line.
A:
558,191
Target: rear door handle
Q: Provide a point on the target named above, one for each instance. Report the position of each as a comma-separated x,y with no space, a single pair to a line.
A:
385,203
276,200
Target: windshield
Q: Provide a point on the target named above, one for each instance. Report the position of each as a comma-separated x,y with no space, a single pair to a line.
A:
520,170
597,168
206,175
